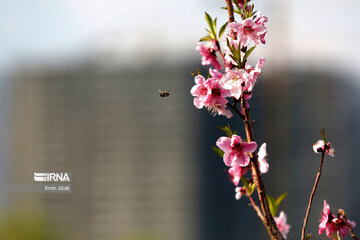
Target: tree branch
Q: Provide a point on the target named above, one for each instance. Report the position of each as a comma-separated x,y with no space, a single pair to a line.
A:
268,219
312,196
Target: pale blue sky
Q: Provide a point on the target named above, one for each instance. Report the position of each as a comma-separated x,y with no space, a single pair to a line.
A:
310,32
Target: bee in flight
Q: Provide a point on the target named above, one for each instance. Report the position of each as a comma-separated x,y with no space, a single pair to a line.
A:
164,93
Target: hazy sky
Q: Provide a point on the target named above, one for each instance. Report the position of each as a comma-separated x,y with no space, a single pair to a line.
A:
310,32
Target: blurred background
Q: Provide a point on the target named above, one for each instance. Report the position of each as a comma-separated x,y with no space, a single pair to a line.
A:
79,87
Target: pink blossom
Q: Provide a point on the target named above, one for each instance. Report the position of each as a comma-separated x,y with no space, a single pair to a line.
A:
233,80
216,94
332,224
235,150
251,74
208,53
215,99
319,147
199,91
261,20
263,164
209,93
281,223
236,172
325,221
248,31
239,192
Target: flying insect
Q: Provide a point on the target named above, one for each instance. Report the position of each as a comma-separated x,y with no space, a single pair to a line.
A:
164,93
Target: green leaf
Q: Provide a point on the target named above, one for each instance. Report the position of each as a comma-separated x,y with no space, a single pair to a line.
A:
218,151
205,39
274,204
227,130
208,19
246,184
248,52
237,12
234,58
280,199
239,49
231,48
235,55
252,188
211,25
237,5
244,9
308,236
222,29
272,207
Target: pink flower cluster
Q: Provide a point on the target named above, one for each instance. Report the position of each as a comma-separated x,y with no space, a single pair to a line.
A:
236,157
231,82
212,92
320,146
250,31
240,81
247,32
332,224
209,93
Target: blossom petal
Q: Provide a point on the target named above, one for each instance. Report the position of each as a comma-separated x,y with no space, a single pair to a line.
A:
249,147
229,158
224,144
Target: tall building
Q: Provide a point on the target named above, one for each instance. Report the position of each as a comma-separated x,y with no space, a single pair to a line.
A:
130,152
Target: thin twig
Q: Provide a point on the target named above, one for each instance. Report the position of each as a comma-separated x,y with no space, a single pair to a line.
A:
256,208
312,196
258,211
352,233
268,219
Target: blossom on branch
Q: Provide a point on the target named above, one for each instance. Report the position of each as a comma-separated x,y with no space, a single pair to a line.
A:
251,74
261,20
239,192
239,81
234,81
248,31
209,93
320,146
208,53
235,150
332,224
281,223
236,172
